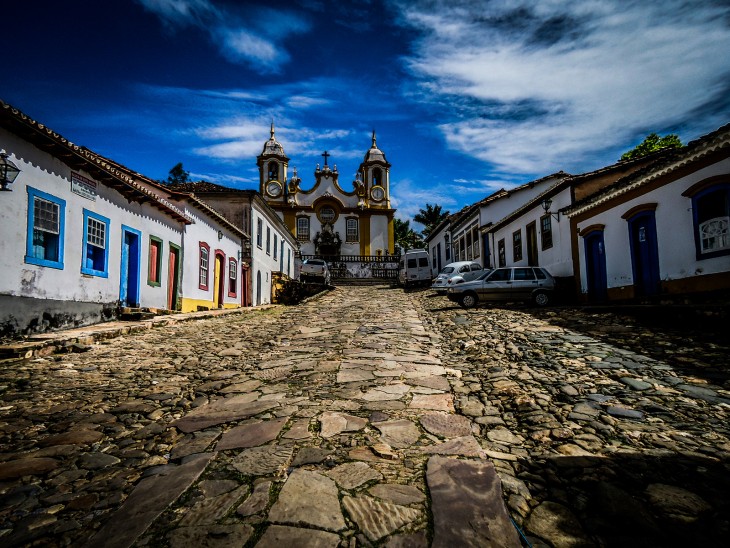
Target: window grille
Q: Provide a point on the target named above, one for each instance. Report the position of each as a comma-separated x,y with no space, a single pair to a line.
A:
46,216
95,233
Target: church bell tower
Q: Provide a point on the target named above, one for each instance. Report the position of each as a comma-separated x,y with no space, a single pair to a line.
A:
273,164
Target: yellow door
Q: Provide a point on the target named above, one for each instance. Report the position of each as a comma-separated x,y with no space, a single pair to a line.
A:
217,300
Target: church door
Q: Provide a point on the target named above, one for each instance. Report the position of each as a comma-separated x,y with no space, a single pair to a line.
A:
258,287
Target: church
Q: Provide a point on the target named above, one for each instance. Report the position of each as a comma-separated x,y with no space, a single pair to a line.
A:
328,219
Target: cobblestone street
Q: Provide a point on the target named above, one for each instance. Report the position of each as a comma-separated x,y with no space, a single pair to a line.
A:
371,416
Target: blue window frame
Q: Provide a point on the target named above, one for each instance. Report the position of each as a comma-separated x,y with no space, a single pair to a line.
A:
95,245
46,229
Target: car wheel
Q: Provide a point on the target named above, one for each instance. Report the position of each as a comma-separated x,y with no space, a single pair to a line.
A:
541,298
469,300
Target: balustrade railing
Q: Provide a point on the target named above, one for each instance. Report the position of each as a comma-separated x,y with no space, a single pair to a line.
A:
360,266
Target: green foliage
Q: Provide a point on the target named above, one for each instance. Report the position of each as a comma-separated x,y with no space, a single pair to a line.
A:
430,218
652,143
405,236
177,175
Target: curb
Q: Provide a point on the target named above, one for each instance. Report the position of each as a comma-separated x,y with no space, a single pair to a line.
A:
76,339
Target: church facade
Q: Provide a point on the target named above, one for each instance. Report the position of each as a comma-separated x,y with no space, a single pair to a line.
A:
328,219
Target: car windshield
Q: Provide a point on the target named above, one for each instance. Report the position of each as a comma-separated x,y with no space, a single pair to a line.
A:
483,275
447,270
314,261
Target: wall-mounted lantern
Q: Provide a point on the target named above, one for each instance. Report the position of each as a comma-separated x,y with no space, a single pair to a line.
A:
546,203
8,172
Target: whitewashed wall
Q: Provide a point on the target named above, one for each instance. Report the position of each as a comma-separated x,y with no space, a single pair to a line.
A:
45,173
263,263
206,229
675,234
557,259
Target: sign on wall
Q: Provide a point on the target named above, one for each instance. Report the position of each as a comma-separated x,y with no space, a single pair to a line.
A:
84,187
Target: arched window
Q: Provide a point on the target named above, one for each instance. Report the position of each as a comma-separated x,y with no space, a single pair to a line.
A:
303,229
273,171
377,177
352,231
711,212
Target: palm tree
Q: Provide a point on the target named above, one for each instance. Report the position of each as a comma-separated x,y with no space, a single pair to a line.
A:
405,236
430,218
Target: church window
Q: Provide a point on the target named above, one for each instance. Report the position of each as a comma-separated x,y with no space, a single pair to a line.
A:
326,214
259,233
517,245
268,240
469,248
303,229
352,230
501,253
288,262
546,231
276,245
273,171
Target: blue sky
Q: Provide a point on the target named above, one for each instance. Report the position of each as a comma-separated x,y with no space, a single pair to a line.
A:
466,96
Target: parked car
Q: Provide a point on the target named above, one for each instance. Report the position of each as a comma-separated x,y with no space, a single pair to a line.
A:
414,268
467,277
315,270
506,284
441,282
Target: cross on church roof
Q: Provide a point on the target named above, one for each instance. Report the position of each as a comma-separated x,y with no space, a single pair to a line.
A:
326,155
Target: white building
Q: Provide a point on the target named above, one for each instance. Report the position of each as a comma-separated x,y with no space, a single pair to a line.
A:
327,219
663,230
80,238
270,246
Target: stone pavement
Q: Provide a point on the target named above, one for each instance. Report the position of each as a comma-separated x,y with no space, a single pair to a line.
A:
370,416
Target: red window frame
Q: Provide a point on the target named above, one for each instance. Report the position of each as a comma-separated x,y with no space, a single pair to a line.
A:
232,263
201,246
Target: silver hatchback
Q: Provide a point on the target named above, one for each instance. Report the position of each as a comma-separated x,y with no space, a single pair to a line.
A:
506,284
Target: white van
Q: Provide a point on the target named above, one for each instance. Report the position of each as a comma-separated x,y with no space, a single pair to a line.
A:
414,268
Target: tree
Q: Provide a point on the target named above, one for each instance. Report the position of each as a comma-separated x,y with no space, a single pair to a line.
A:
405,236
652,143
430,218
177,175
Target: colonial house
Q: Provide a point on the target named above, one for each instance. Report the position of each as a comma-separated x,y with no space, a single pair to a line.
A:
535,234
270,247
77,233
213,272
82,237
464,236
659,231
349,226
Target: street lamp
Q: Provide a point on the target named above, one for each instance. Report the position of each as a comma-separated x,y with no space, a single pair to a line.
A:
8,172
546,203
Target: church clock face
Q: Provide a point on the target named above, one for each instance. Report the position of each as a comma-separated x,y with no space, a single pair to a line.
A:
377,193
273,188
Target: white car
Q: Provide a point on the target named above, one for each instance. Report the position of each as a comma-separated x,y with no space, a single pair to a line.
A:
440,283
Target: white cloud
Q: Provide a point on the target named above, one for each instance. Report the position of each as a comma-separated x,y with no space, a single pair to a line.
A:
534,88
409,197
240,38
181,13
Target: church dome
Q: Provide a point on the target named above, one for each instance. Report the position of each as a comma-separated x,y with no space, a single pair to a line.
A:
375,154
272,146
